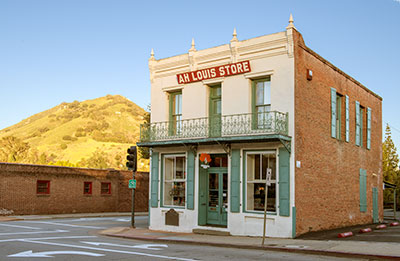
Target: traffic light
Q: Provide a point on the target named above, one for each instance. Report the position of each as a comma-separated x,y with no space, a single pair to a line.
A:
132,158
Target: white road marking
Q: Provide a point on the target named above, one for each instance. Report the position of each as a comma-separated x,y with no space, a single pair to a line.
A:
124,219
91,219
37,232
51,253
143,246
7,225
43,238
61,224
109,250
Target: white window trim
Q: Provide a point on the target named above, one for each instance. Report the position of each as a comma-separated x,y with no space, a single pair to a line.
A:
164,156
270,152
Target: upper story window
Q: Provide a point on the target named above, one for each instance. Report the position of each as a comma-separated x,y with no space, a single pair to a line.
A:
339,116
175,113
262,102
363,126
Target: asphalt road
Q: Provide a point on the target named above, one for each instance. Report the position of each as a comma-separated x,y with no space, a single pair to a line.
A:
78,239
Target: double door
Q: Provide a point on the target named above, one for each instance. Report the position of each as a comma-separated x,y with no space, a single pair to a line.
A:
217,202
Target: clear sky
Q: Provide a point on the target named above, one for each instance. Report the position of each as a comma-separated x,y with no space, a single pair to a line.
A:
54,51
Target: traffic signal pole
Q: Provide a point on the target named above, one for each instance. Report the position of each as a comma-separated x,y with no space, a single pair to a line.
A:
132,165
133,204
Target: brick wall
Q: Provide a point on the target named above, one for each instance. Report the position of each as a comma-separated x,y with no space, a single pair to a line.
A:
327,184
18,190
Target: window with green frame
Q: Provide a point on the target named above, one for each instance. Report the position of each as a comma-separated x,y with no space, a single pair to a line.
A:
174,180
261,99
338,116
256,166
175,113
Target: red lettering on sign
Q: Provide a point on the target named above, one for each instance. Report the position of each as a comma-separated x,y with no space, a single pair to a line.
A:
214,72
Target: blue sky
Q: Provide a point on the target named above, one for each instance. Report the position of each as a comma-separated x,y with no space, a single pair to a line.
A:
54,51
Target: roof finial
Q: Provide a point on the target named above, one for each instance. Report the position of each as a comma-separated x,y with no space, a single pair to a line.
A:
291,25
234,38
152,54
192,48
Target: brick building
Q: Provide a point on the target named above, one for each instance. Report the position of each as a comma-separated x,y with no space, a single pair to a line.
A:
227,119
38,189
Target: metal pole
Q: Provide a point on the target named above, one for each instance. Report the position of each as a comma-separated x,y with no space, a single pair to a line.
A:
394,204
133,204
265,213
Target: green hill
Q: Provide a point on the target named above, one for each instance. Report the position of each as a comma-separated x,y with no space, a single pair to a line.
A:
92,133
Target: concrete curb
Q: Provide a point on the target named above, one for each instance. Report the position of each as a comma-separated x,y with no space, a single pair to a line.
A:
270,247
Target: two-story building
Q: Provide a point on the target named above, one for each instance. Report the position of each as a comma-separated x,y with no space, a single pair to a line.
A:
228,119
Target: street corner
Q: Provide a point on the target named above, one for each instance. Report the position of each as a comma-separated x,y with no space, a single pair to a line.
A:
8,218
114,231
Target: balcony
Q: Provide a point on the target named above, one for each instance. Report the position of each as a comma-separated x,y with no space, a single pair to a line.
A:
225,128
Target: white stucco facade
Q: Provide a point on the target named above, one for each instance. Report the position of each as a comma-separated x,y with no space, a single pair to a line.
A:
269,56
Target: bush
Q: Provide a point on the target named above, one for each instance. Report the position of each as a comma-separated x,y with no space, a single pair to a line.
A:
63,146
67,137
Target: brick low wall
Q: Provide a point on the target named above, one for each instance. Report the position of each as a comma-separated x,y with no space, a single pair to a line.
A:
18,190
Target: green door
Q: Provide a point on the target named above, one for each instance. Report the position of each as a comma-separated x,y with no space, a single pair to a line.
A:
217,186
215,111
375,210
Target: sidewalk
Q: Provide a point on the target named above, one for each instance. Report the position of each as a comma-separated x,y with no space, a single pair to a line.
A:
357,249
76,215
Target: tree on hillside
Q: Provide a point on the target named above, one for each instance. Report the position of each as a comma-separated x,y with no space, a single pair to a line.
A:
145,152
98,160
12,149
390,164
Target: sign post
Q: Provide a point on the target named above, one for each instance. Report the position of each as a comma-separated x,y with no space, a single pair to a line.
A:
267,184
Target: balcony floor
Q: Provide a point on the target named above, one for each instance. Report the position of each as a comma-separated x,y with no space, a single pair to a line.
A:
217,140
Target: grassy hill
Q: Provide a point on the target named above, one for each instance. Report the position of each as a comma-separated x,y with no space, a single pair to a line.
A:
100,129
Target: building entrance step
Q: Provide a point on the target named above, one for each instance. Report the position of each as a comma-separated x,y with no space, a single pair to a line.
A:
210,232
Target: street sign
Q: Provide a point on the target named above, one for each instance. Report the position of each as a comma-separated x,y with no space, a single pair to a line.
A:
132,183
269,174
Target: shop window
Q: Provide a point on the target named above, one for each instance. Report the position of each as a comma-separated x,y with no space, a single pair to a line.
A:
257,165
105,188
43,187
219,161
175,113
174,180
262,104
87,188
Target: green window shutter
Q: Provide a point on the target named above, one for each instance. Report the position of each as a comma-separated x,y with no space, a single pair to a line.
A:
358,124
235,181
333,112
347,120
363,190
375,207
190,180
203,195
369,128
154,179
284,182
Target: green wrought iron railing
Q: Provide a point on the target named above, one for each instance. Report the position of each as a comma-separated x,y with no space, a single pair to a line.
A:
272,122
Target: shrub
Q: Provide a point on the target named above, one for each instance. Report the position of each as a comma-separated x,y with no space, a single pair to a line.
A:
67,137
63,146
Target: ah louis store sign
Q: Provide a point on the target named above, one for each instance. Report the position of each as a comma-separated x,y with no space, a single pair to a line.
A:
214,72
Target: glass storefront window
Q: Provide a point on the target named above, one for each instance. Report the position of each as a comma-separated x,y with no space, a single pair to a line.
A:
257,165
174,180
